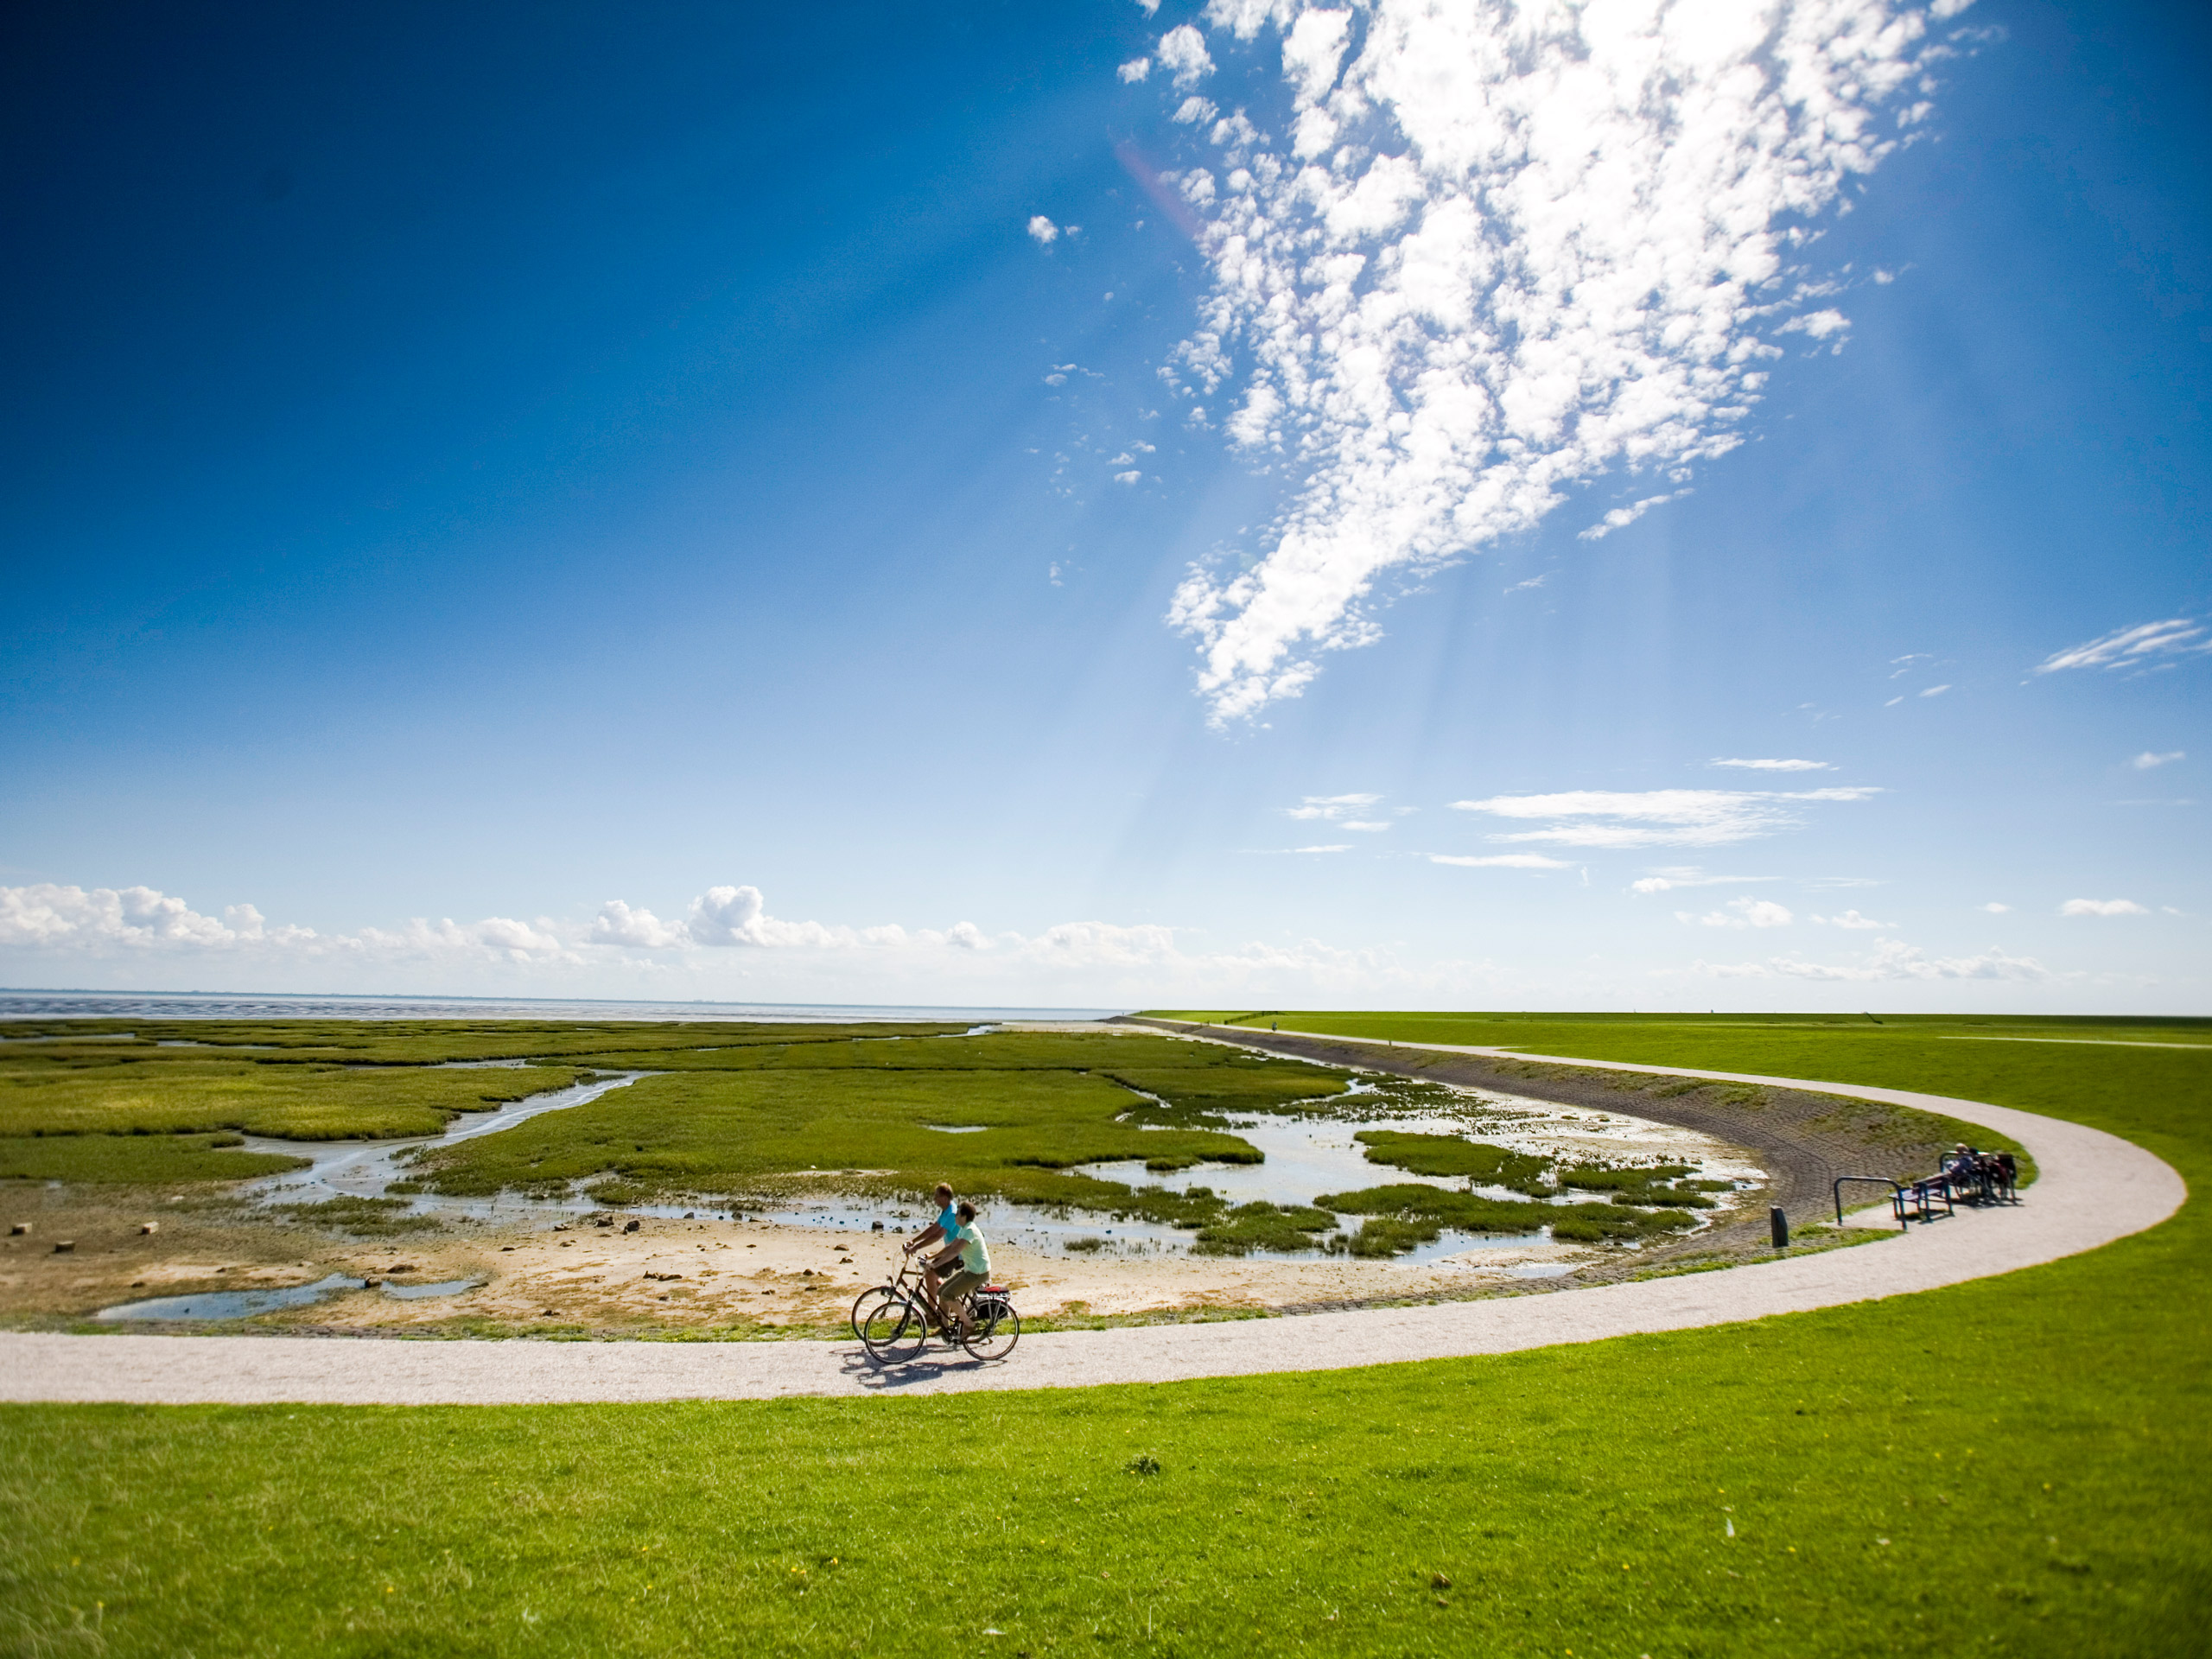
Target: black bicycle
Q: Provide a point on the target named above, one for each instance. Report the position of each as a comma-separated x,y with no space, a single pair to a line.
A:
894,1324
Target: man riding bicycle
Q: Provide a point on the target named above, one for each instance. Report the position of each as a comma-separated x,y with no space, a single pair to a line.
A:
968,1267
943,1228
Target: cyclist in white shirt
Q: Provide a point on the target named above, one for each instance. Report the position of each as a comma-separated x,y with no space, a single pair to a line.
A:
967,1265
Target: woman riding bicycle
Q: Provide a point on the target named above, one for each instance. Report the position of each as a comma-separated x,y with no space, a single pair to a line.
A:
970,1261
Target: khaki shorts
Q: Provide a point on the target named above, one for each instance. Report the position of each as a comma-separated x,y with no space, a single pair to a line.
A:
957,1285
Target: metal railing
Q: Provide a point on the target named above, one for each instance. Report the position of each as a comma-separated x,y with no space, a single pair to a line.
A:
1897,1196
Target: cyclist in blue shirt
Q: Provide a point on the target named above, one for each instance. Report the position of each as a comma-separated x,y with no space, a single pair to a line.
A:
943,1228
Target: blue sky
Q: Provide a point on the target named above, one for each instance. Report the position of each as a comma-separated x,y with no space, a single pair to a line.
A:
714,502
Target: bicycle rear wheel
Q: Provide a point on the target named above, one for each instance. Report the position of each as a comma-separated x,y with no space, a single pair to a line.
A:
894,1331
993,1329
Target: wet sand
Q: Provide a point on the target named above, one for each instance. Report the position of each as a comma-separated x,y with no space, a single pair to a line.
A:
695,1275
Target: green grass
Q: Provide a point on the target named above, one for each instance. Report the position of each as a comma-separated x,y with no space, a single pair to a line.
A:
1449,1155
135,1160
2032,1447
426,1042
288,1102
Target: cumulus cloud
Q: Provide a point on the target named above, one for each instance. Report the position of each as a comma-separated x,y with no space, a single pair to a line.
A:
1852,920
1183,49
738,916
1774,766
2146,761
1743,912
1502,862
2101,908
1996,909
102,920
1092,960
1136,69
1890,959
1818,325
617,924
1658,817
1484,253
2154,645
1043,230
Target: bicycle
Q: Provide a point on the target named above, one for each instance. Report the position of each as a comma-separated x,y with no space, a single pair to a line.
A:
894,1322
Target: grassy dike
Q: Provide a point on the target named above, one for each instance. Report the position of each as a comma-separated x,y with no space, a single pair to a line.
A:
2017,1466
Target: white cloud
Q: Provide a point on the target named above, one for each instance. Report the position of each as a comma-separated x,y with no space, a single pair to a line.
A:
1743,912
1045,231
1818,325
1533,581
1622,518
1659,817
1511,249
1666,881
617,924
1333,846
2101,908
1996,909
1136,69
2146,761
738,916
1184,50
1333,809
135,918
1890,959
1149,7
1935,690
1502,862
1852,920
2145,643
101,921
1128,478
1775,765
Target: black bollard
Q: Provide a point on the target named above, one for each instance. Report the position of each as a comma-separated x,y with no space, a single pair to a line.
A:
1780,1225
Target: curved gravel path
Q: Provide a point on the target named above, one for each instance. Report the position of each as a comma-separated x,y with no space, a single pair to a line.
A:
2093,1188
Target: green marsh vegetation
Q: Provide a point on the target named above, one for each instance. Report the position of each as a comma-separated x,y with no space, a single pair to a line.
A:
1008,1115
2011,1466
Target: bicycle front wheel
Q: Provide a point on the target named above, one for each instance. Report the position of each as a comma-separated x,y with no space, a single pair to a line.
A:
993,1329
864,1304
894,1331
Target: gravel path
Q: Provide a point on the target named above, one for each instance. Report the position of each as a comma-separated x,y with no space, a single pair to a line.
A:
2093,1188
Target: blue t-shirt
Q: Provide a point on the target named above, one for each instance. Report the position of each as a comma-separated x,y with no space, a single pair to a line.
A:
948,1223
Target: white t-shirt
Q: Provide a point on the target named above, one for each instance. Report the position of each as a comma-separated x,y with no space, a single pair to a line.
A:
974,1254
